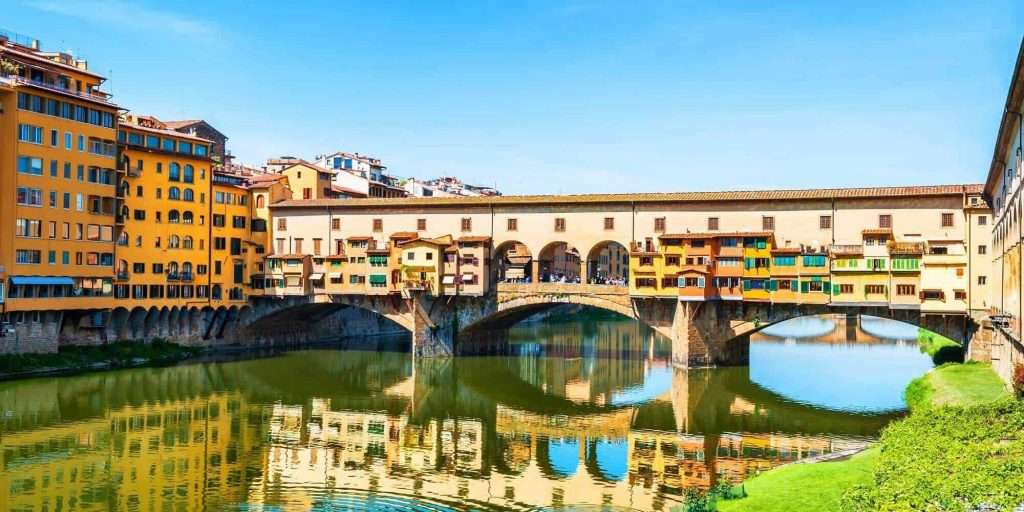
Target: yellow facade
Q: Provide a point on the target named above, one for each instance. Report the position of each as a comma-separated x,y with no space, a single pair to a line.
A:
57,146
163,216
422,263
231,243
757,252
308,181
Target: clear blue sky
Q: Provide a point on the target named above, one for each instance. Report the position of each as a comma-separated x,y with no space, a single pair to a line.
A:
578,96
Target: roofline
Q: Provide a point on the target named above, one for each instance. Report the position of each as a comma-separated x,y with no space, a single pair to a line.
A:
1014,94
657,197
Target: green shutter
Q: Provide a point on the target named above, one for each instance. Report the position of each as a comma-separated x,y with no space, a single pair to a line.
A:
772,285
378,279
805,287
746,284
835,289
793,285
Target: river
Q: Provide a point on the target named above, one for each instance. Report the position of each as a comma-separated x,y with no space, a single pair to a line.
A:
586,409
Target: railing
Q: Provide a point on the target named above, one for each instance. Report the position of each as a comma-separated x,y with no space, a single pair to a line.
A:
122,275
94,96
186,276
416,284
173,276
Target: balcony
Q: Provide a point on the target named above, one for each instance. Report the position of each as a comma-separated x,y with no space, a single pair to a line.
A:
94,95
416,285
173,276
122,275
119,220
186,277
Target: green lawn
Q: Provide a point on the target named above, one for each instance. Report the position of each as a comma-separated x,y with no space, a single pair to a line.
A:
956,384
940,348
817,487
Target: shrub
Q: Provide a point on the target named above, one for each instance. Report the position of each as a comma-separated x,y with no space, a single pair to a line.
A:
1018,379
948,458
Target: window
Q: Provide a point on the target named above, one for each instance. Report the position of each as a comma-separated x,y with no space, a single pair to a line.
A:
768,223
30,165
68,140
335,224
959,295
659,224
421,224
560,224
609,223
511,224
174,172
238,222
825,222
30,133
219,243
30,228
378,225
947,220
712,223
982,220
982,249
845,288
467,224
981,280
30,196
905,289
282,224
316,246
874,289
25,256
307,193
189,175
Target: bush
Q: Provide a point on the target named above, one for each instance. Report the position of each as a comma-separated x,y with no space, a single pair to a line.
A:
948,458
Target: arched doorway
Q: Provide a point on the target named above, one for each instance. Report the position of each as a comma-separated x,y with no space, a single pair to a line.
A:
512,263
608,263
559,262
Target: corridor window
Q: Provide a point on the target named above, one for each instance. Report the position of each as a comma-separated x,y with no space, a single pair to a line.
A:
609,223
874,289
846,288
768,223
659,225
511,224
467,224
981,280
712,223
947,220
421,224
905,289
982,249
825,222
282,224
335,224
378,225
559,224
982,220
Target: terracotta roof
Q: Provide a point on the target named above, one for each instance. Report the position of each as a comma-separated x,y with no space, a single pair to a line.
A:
474,239
432,241
716,234
288,256
876,231
360,238
339,188
135,126
266,177
656,197
404,234
336,256
787,250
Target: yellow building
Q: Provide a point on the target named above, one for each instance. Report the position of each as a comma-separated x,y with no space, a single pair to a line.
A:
264,190
815,286
647,267
57,145
757,252
422,263
785,275
230,242
163,215
309,181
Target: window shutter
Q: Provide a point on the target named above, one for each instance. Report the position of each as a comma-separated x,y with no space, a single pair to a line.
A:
700,282
772,285
835,289
746,284
681,282
805,287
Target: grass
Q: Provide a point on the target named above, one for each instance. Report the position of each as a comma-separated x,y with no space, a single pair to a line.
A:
818,486
81,357
955,385
940,348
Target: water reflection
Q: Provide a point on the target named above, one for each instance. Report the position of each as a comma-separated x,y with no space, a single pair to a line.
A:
583,412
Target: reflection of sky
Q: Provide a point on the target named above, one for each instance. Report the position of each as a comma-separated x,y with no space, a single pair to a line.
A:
848,377
611,459
802,327
888,329
657,382
565,455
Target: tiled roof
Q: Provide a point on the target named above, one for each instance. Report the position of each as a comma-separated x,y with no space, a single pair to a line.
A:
846,250
349,191
404,234
906,248
716,234
1014,104
653,197
288,256
876,231
126,123
786,250
360,237
474,239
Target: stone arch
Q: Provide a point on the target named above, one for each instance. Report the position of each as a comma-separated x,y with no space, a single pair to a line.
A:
150,324
137,323
207,317
607,262
246,315
510,311
119,325
195,322
557,261
606,459
511,262
162,322
172,322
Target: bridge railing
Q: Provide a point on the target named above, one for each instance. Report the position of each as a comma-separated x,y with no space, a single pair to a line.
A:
563,288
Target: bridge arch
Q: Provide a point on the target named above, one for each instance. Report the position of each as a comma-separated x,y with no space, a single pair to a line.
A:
522,301
559,261
511,262
607,262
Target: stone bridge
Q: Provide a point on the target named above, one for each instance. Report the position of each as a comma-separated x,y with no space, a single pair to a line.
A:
706,333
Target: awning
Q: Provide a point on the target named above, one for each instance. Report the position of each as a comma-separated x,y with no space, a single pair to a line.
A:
468,277
448,279
42,280
316,277
334,275
514,273
378,279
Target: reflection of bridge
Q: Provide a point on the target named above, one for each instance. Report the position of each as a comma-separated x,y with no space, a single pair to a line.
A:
702,333
375,421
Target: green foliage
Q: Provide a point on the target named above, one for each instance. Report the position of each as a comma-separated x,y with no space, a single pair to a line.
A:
799,487
941,349
948,458
121,353
955,384
1018,379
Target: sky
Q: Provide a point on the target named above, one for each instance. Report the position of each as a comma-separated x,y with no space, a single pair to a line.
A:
566,97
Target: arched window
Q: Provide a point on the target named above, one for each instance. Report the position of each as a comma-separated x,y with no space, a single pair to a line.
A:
124,212
186,217
122,239
187,243
138,241
215,291
124,188
260,201
174,242
174,172
173,193
122,266
186,268
188,195
189,174
172,217
172,268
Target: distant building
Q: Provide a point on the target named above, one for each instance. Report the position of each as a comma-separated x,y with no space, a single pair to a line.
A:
452,186
361,174
203,130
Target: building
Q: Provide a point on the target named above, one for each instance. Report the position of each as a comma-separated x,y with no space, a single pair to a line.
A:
361,175
201,129
163,218
452,186
58,133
